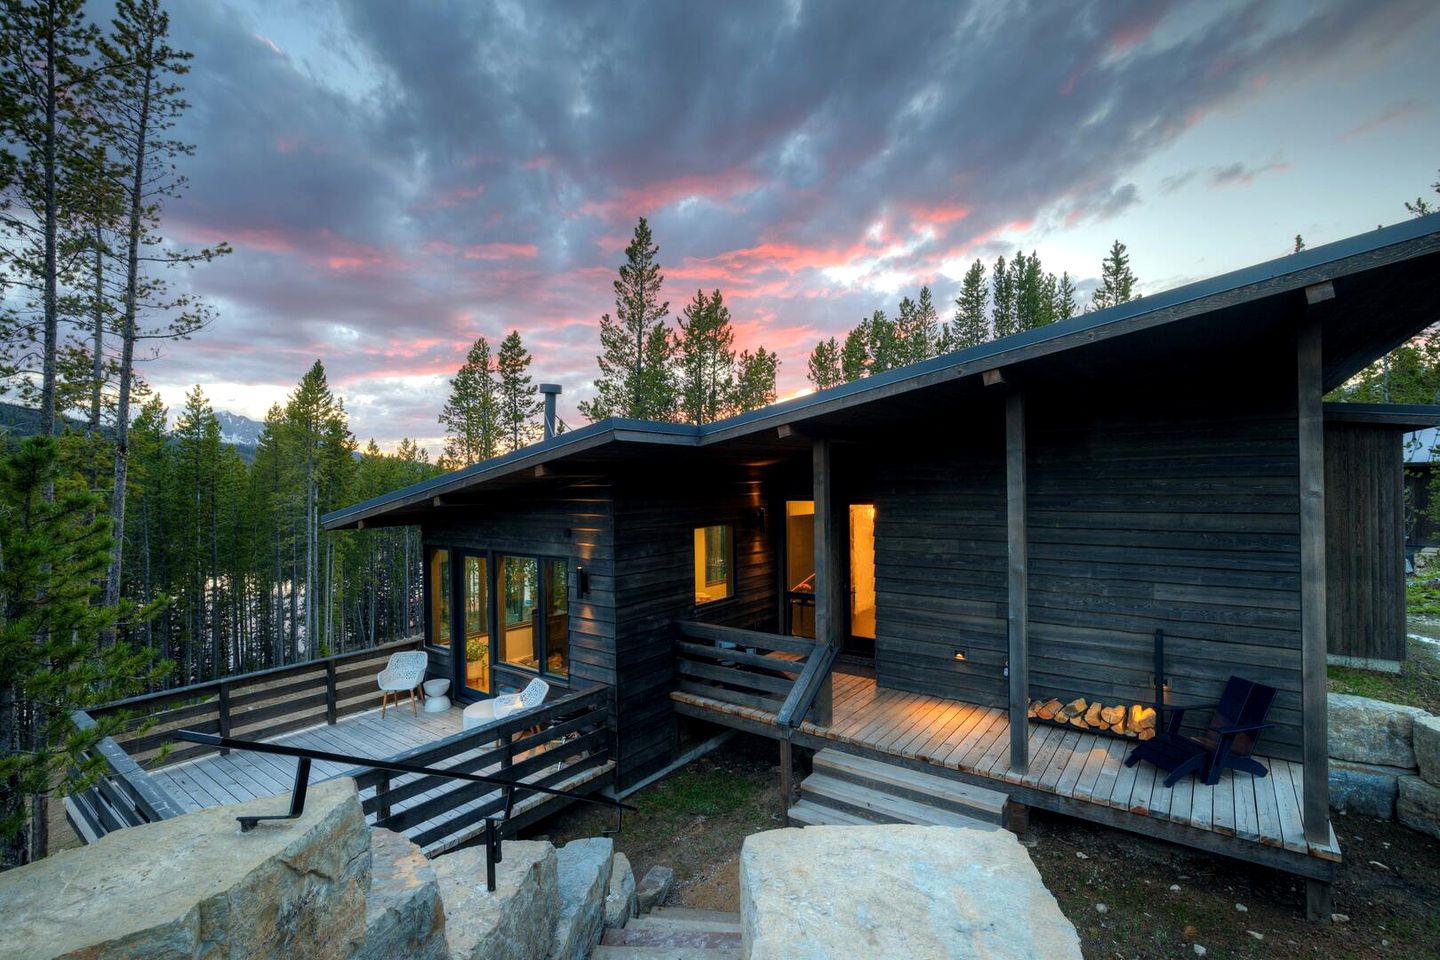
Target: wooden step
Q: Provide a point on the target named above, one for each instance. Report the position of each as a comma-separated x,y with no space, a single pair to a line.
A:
608,952
880,807
930,789
691,913
808,814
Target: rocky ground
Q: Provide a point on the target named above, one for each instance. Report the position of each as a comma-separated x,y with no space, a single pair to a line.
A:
1388,889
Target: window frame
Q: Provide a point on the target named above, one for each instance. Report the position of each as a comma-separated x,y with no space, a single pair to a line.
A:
731,591
427,588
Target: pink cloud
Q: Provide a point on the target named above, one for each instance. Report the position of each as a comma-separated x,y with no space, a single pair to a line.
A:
498,251
1396,114
647,198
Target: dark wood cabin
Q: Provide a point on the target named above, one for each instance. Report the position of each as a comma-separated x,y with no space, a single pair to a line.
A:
1029,518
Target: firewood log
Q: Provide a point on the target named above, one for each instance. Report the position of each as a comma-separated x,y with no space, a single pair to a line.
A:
1076,706
1092,716
1112,715
1048,709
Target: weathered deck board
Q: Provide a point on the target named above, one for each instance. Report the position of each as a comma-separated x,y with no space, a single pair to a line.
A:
1066,762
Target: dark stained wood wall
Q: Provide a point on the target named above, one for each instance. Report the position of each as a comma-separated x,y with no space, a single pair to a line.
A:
1181,515
1364,541
655,517
940,563
570,520
1179,512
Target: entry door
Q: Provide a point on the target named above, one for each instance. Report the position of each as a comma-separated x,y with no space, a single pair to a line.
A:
474,652
861,635
800,574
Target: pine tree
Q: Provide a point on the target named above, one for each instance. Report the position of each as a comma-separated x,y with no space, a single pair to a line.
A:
1117,282
1065,306
1299,244
705,359
824,366
855,355
969,327
1034,303
755,386
55,540
143,105
471,415
636,345
917,329
1422,207
1002,299
882,344
519,406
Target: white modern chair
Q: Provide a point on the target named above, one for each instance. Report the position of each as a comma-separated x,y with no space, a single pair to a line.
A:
404,673
484,712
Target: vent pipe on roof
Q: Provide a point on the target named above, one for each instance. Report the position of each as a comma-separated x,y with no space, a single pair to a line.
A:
551,391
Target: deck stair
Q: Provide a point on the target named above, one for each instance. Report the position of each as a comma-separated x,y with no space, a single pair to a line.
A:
674,933
844,789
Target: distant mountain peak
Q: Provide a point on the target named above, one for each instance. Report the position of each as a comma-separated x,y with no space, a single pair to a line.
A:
238,430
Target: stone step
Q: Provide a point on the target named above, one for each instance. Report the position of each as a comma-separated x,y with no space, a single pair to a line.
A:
605,952
691,913
403,913
930,789
880,807
808,814
652,922
634,936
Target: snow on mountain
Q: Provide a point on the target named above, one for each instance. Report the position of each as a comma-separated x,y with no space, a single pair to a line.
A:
237,429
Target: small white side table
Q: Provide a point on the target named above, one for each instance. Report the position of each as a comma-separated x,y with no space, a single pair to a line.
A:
435,699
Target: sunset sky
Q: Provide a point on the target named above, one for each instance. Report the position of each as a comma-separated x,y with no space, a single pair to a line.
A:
398,178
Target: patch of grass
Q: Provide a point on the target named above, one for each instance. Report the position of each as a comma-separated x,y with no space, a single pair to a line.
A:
702,792
1422,598
1416,685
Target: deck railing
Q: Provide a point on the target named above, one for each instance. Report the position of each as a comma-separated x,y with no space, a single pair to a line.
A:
121,795
766,671
265,703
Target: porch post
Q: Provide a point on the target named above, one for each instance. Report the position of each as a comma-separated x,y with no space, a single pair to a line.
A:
1311,430
1018,586
829,585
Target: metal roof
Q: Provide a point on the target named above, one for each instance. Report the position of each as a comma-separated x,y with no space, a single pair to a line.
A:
1285,274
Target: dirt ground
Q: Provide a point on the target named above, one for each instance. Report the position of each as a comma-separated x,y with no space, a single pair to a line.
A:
1389,886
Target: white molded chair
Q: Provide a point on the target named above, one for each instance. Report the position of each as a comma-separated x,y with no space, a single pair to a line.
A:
484,712
404,673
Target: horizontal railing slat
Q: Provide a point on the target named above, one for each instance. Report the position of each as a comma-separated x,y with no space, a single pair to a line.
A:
734,677
695,630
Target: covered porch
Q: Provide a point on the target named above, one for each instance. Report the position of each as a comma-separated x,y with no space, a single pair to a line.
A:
1255,819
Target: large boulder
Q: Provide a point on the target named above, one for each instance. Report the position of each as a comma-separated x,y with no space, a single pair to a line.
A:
1426,741
195,886
515,921
403,913
1364,788
620,902
899,891
654,888
583,870
1372,731
1419,806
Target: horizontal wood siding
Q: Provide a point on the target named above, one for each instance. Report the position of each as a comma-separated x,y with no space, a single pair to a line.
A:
940,566
1364,542
655,519
571,521
1173,514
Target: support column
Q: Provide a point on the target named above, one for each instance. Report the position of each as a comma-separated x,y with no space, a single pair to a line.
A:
829,573
1018,625
1311,420
787,772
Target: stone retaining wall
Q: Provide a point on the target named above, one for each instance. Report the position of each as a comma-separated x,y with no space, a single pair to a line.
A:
1385,761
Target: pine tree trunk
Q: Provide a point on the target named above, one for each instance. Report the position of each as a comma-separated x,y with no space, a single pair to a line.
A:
50,300
97,335
134,228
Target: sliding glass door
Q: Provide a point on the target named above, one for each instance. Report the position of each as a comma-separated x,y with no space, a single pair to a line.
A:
800,574
475,602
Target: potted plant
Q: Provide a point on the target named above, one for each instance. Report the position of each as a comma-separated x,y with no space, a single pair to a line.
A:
477,662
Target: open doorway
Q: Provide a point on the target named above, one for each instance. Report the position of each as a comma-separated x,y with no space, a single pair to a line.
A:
800,574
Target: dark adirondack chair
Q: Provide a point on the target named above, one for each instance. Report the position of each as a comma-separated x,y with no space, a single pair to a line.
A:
1235,723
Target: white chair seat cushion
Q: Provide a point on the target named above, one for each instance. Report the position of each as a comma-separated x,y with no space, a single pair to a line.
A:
405,671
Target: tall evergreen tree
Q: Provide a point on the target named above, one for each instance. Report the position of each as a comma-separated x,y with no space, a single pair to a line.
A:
855,354
882,344
1002,299
519,406
55,541
1034,303
471,415
1065,305
755,386
636,345
917,329
1117,282
705,359
824,366
969,326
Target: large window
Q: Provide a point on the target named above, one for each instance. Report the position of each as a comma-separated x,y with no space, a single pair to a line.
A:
519,595
557,618
800,566
713,563
475,600
439,586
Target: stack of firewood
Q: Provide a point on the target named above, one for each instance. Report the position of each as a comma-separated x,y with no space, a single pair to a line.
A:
1133,721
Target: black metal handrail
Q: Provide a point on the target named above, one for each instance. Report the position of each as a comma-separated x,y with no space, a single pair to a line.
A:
304,756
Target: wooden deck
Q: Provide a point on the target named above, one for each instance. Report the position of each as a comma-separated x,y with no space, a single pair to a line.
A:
1257,819
216,780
